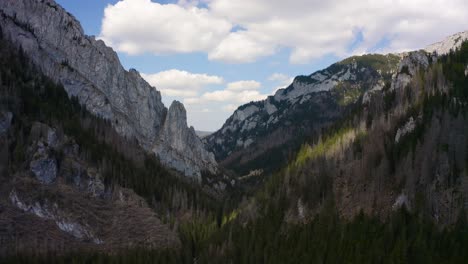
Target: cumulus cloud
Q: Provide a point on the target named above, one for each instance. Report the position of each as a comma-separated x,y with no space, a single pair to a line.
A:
138,26
181,83
205,96
243,85
220,103
235,93
238,97
230,108
245,30
241,47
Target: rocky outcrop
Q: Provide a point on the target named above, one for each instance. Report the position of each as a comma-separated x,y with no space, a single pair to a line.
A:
450,43
310,103
67,195
176,140
91,71
52,212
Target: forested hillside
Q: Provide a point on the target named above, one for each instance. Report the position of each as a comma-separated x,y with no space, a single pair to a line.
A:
384,181
70,183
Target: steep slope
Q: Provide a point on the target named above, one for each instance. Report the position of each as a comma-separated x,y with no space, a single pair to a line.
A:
450,43
261,135
91,71
386,184
63,185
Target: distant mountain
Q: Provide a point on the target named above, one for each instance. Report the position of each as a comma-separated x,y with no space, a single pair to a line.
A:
203,134
365,161
451,42
91,71
373,187
263,135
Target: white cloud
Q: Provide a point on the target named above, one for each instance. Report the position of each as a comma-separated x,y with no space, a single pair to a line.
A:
309,28
241,47
235,93
278,77
243,85
138,26
228,96
230,108
209,110
181,83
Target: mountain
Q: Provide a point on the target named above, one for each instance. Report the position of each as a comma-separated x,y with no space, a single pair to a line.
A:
450,43
68,181
379,185
263,133
91,71
203,134
369,163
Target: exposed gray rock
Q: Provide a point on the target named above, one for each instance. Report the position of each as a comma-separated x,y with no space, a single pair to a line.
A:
450,43
176,140
95,185
91,71
45,169
52,212
306,105
242,114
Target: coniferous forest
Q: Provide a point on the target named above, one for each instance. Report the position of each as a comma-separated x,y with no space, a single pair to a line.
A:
297,215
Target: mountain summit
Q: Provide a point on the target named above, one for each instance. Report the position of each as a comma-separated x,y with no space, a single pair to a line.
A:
91,71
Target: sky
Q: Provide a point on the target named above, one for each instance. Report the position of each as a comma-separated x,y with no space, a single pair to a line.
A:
215,55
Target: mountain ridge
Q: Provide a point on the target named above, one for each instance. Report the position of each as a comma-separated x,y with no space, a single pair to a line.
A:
303,89
91,71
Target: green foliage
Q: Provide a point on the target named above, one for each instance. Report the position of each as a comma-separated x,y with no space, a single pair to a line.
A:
454,66
121,161
224,236
382,63
308,152
403,238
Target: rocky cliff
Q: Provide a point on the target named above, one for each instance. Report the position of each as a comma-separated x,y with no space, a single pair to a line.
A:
452,42
261,134
183,144
91,71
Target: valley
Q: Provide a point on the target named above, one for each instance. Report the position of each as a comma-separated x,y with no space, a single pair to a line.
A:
365,161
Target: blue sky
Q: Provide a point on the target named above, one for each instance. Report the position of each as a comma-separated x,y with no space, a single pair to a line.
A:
226,53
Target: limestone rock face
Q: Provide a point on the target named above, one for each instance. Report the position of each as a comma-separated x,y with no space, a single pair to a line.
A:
248,139
43,165
176,139
452,42
91,71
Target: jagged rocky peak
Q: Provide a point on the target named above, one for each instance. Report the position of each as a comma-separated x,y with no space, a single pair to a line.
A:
91,71
452,42
176,139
